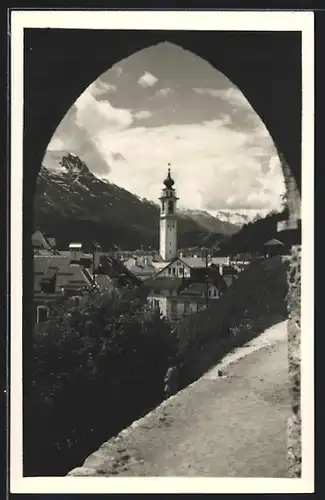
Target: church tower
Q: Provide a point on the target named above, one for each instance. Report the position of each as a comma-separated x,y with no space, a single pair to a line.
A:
168,222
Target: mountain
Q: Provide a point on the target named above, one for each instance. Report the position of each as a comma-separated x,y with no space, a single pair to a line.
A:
235,218
72,204
253,235
209,222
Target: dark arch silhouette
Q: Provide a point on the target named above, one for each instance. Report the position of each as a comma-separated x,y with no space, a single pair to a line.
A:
60,64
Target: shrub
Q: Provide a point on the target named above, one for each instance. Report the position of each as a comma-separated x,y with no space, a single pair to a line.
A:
92,372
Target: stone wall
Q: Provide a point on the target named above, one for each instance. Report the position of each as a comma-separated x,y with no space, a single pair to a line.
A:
294,357
293,225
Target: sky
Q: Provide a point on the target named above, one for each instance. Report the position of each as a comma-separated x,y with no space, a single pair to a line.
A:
166,105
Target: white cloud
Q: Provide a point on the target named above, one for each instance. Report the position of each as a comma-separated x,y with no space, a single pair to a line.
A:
147,80
142,114
95,116
214,165
213,168
117,70
98,88
212,92
164,92
231,94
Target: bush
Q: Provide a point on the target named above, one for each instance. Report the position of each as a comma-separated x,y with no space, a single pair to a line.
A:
96,369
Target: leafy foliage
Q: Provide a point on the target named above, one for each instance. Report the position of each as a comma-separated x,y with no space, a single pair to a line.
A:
253,303
92,372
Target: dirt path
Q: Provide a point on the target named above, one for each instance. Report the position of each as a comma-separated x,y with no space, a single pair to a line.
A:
230,426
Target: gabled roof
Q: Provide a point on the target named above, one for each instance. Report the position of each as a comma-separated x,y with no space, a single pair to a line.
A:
39,240
142,270
66,275
193,262
274,242
199,262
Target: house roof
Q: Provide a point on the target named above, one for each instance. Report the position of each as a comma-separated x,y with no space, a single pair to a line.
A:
220,260
52,242
164,283
67,276
115,268
142,270
199,262
104,282
41,243
195,289
273,242
158,266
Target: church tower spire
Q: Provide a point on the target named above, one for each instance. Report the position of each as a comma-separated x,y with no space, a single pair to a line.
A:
168,221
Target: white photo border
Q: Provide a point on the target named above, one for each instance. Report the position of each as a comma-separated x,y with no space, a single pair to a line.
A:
163,20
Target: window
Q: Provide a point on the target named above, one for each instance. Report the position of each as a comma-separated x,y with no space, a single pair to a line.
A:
174,271
170,207
42,313
210,292
156,303
215,292
169,270
75,301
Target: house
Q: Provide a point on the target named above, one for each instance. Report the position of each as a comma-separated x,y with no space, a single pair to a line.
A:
191,267
273,247
43,245
141,266
177,297
62,277
55,279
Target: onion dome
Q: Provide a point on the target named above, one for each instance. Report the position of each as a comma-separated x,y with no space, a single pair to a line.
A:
169,182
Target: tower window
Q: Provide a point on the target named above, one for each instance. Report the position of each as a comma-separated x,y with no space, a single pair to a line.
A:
163,206
170,207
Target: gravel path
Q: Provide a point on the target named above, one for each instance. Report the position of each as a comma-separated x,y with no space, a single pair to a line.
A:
218,427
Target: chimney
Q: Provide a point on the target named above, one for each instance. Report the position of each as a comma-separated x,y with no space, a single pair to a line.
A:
75,252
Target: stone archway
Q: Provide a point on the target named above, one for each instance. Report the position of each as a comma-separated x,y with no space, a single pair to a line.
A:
266,67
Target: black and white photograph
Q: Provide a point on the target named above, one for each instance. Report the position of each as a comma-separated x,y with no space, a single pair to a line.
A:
161,328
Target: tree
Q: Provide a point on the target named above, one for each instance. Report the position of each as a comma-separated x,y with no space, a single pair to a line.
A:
93,371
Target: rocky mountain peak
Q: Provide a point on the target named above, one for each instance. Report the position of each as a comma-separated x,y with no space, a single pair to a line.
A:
73,165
